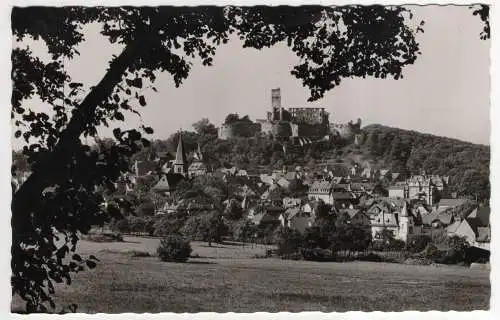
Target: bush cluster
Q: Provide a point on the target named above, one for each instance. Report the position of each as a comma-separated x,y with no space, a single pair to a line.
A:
174,248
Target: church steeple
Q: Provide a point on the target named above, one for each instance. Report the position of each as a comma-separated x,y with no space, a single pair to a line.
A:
180,163
198,156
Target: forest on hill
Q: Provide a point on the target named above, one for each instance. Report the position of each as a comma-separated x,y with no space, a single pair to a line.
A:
405,151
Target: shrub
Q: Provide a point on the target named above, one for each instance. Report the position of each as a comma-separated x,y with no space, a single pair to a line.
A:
439,236
103,237
431,252
145,208
372,257
289,242
396,245
165,226
174,248
458,249
418,243
243,230
316,254
121,225
207,227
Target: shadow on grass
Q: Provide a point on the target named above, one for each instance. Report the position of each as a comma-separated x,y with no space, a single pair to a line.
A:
200,262
219,246
235,244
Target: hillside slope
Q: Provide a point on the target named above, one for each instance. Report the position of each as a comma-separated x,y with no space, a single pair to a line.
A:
466,164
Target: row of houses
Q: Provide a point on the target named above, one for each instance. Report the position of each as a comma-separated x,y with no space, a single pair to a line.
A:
409,206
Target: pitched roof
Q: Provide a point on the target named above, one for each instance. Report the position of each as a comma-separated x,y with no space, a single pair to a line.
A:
362,186
483,234
257,218
474,224
342,196
452,228
451,202
282,182
473,213
180,155
168,182
395,175
483,213
422,210
445,218
428,219
350,212
383,172
386,219
198,155
320,186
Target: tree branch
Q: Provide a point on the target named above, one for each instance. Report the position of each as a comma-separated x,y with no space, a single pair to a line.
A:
27,197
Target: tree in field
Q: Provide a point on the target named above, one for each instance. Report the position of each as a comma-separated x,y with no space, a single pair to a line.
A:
208,227
59,200
244,230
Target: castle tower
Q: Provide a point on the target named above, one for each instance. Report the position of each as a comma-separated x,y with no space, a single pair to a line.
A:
180,162
276,103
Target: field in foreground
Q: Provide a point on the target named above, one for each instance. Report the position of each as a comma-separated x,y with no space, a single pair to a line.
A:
226,279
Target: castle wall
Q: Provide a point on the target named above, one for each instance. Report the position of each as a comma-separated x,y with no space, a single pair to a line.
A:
312,130
346,130
342,130
238,129
309,115
282,130
267,128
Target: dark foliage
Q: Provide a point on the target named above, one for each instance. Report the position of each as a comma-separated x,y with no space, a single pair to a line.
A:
174,248
466,164
289,242
418,243
208,227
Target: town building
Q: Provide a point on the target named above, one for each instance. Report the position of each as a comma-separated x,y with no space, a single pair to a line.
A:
169,180
197,166
393,215
424,187
320,190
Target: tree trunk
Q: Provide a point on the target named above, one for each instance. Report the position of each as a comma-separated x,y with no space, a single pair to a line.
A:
47,172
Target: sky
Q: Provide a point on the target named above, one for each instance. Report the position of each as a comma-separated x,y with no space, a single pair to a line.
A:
445,92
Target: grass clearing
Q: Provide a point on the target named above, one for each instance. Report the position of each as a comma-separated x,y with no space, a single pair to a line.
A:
226,279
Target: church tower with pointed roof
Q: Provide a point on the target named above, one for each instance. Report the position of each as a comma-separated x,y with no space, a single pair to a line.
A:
180,162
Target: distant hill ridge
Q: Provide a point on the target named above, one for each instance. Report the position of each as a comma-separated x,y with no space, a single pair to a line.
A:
374,126
466,163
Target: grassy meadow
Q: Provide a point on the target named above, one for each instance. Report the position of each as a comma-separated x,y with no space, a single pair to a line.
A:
226,278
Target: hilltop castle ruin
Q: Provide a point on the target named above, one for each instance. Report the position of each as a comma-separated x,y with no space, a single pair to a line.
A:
291,124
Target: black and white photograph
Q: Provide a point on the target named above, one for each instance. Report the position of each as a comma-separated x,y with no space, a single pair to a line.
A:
249,158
